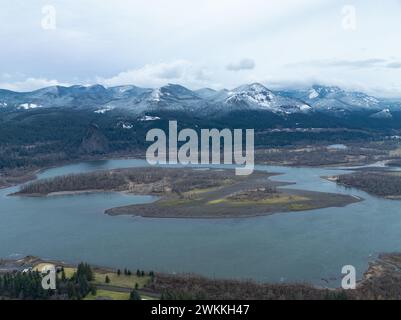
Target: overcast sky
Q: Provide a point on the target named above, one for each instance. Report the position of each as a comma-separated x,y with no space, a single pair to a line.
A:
202,43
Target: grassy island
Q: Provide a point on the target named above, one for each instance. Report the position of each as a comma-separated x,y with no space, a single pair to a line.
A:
190,193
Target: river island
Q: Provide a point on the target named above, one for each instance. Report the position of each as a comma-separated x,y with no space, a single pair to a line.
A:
190,192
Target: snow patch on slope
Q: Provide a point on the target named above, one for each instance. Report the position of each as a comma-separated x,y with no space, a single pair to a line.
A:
313,94
28,106
149,118
104,110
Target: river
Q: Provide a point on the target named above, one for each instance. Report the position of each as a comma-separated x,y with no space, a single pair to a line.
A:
310,246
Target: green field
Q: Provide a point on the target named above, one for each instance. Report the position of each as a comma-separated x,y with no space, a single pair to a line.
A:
275,200
121,281
113,295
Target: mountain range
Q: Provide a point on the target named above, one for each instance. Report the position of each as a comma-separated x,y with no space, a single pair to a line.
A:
203,103
57,123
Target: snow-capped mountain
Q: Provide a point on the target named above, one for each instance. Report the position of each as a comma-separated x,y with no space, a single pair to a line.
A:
334,99
171,97
173,93
58,96
174,98
204,102
257,97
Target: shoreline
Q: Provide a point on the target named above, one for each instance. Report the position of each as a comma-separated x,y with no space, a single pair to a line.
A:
64,193
230,197
336,179
31,175
380,280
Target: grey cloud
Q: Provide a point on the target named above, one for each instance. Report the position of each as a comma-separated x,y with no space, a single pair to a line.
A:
155,75
365,63
394,65
172,72
244,64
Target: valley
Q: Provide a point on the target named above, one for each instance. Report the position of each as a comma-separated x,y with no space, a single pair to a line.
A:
292,127
213,150
248,223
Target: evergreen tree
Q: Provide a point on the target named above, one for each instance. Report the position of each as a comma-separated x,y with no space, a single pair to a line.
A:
93,290
134,295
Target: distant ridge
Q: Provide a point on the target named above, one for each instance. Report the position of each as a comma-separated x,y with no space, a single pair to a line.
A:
202,102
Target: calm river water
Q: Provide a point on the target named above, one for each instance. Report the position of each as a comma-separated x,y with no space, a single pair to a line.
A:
309,246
